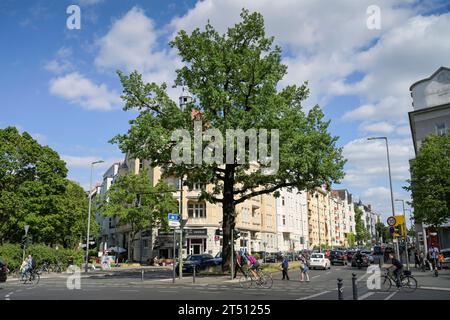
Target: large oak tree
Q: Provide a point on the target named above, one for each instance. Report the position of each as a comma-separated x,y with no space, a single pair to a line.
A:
234,78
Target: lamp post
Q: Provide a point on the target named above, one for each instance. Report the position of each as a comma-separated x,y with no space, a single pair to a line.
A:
404,222
89,215
389,170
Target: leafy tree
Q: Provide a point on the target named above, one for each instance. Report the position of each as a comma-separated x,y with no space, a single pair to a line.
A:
361,232
234,77
383,231
137,203
430,181
34,191
351,238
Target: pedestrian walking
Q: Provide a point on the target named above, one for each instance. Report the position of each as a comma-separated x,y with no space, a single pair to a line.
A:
416,259
433,254
285,267
304,270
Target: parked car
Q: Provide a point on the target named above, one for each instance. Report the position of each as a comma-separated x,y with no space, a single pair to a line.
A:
3,271
338,257
318,260
446,253
350,254
365,260
199,262
271,258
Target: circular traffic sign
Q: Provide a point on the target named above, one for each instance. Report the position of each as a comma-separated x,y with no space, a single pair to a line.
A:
391,221
391,229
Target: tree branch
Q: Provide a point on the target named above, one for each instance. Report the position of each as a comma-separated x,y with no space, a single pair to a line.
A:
264,191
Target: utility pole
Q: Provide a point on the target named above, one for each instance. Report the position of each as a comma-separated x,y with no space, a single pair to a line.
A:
318,220
406,235
180,253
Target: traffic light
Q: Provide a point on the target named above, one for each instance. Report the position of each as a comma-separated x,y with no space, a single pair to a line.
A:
398,230
236,234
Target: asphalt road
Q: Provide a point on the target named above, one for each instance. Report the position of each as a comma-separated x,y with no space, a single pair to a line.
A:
157,285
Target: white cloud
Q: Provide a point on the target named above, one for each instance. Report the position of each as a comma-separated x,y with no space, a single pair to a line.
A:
62,61
377,127
80,90
131,44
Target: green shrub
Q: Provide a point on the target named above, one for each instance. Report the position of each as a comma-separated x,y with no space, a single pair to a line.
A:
11,254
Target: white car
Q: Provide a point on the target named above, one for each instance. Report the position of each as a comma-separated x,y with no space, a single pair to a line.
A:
318,260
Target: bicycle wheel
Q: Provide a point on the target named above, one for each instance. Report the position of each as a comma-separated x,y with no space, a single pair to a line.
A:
386,284
409,283
245,281
266,280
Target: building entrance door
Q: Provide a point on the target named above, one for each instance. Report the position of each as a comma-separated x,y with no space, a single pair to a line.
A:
196,246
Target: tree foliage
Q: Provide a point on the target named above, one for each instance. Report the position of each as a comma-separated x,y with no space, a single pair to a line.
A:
34,191
234,78
430,181
362,233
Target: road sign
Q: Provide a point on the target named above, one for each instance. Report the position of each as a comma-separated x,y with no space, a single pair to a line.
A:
392,221
391,229
173,217
174,224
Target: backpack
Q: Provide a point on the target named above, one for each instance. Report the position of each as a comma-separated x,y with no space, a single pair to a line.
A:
252,259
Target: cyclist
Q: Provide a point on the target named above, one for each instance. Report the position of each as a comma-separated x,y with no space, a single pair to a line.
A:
254,265
398,268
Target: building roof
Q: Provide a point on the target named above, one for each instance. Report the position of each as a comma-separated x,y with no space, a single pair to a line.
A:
429,78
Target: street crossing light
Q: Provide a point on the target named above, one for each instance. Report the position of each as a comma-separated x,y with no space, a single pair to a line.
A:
89,216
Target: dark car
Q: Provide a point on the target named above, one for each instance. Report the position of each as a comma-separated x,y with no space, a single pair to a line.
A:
338,257
3,271
199,262
350,254
271,258
365,260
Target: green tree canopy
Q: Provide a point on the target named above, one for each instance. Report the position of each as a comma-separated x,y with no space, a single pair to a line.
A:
234,78
34,191
430,181
137,203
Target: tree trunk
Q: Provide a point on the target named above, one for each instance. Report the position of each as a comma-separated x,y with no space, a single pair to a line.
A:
228,210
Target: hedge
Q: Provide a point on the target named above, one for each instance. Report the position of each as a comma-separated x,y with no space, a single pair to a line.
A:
11,254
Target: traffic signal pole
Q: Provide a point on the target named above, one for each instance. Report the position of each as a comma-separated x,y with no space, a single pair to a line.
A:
232,253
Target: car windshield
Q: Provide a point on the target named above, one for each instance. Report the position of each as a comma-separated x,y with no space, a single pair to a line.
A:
317,256
194,258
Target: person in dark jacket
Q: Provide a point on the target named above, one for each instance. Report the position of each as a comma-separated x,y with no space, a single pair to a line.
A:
398,268
285,267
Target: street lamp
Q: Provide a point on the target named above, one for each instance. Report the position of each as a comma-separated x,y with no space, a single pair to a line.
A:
389,170
318,220
89,215
404,222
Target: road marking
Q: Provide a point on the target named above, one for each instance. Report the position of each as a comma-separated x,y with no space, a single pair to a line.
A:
129,290
315,276
435,288
169,291
314,295
328,272
364,296
390,296
362,277
337,269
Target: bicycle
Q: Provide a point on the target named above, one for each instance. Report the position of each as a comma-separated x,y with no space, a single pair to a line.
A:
32,277
407,282
262,279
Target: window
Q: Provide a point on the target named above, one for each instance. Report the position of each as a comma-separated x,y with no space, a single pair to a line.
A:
141,164
145,243
196,210
198,186
282,201
441,129
284,220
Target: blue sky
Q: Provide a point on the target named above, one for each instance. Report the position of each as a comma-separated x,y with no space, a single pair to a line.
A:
60,85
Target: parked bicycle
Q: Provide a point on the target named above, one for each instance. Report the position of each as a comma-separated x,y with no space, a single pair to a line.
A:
407,282
260,279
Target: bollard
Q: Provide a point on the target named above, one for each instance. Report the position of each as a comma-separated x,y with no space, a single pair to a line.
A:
193,275
355,287
340,289
142,274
